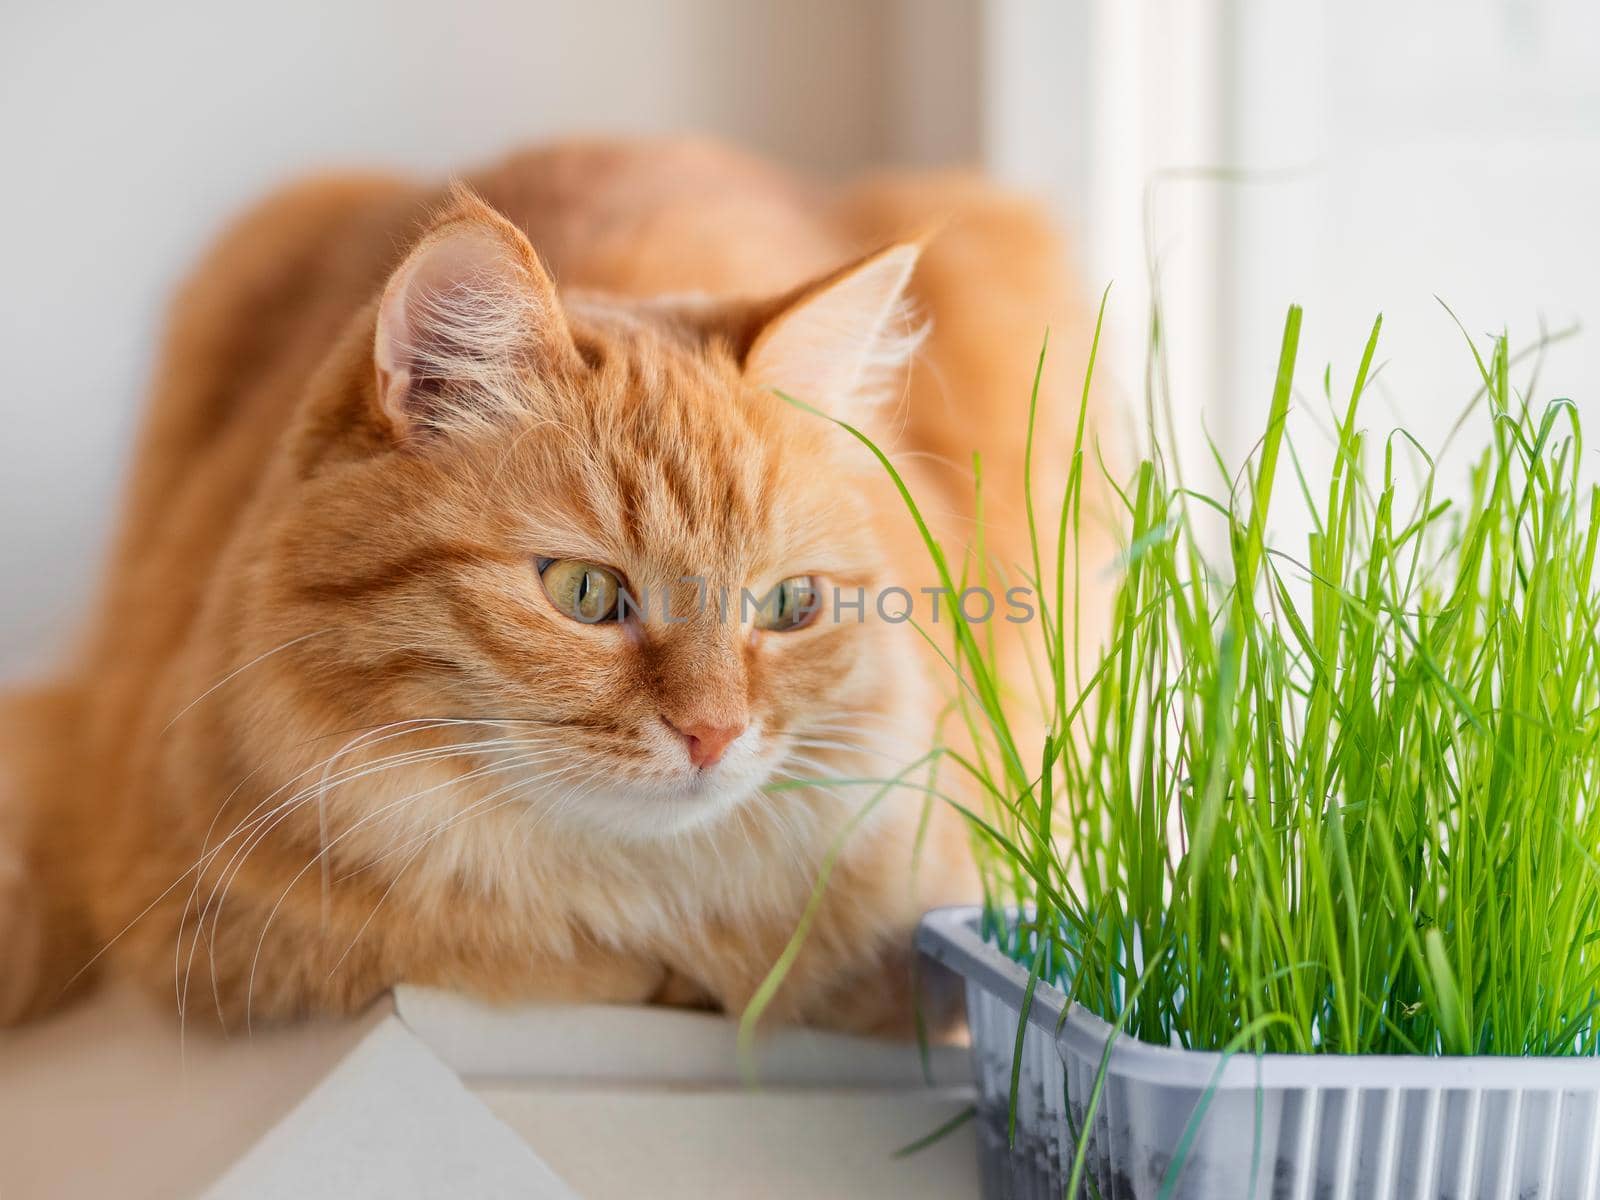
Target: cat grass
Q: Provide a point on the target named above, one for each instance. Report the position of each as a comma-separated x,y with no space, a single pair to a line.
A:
1328,798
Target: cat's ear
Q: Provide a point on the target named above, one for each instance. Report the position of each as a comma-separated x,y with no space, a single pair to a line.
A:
835,342
462,323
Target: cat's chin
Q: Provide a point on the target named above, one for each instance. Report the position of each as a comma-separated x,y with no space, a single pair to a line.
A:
638,820
645,811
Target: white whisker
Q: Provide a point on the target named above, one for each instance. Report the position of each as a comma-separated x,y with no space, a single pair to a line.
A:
236,672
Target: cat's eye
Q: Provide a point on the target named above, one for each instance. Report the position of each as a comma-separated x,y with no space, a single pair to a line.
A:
582,590
790,605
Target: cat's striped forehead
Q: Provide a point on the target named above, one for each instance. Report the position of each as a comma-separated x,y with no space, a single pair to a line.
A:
681,464
684,456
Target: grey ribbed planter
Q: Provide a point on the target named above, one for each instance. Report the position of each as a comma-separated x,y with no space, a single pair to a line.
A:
1275,1125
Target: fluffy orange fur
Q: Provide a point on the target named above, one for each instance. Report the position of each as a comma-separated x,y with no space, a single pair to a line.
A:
329,733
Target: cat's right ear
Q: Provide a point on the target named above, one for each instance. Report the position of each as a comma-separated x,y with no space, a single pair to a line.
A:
463,323
838,341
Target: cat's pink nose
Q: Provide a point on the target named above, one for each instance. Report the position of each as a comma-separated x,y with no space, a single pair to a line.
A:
707,742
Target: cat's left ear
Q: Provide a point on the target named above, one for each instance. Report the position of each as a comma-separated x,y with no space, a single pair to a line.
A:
835,342
463,322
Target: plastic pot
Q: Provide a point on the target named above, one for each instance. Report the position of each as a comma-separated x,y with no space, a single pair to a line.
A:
1363,1127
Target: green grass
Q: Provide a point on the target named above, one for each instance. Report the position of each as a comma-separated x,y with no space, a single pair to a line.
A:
1335,797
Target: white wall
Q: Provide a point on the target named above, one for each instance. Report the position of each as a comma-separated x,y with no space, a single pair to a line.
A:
1396,150
1453,151
130,131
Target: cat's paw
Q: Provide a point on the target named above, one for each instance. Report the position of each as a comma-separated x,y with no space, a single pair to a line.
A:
902,996
679,991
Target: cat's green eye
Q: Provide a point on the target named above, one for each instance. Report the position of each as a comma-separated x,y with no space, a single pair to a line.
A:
792,604
583,591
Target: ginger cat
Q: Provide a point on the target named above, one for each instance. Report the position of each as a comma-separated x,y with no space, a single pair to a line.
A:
365,700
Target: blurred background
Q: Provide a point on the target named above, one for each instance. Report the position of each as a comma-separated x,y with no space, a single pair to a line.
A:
1380,153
